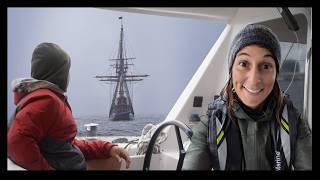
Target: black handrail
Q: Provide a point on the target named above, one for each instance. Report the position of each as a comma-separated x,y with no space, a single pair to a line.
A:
289,19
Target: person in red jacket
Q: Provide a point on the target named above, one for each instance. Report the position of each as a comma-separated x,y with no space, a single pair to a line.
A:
42,134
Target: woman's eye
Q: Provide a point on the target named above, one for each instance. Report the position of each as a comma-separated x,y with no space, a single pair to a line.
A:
243,64
266,66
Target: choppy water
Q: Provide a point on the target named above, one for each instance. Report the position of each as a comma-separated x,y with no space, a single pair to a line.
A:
107,127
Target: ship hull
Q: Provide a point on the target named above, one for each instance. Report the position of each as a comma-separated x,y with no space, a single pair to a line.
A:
124,116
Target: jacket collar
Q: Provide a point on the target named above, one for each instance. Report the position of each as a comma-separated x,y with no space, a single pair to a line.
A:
245,113
24,86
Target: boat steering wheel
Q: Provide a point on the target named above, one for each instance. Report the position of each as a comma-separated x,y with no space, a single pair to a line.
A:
182,152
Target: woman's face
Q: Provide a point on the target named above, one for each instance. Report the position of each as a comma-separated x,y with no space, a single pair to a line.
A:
253,74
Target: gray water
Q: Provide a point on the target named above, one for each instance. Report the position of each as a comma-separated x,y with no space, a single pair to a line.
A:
107,127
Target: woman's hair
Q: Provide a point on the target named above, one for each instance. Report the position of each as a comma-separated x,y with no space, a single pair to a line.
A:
231,96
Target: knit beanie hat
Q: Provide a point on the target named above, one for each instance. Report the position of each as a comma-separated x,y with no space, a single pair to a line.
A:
51,63
254,34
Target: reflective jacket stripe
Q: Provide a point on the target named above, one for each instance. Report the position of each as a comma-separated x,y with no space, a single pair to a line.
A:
222,148
285,136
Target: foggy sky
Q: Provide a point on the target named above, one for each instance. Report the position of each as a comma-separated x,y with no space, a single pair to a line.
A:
168,49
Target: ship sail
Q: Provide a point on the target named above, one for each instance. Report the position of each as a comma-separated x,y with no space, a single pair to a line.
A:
121,106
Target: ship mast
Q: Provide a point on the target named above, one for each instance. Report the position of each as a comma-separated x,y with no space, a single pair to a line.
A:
121,106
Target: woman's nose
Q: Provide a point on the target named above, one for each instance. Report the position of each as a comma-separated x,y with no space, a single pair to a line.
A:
254,76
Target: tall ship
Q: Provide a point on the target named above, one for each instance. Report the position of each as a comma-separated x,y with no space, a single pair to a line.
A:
121,106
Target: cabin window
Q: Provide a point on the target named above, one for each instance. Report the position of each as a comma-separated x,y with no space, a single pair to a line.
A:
168,49
291,77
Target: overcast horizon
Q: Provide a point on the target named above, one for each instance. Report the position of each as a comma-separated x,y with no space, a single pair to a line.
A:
169,49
